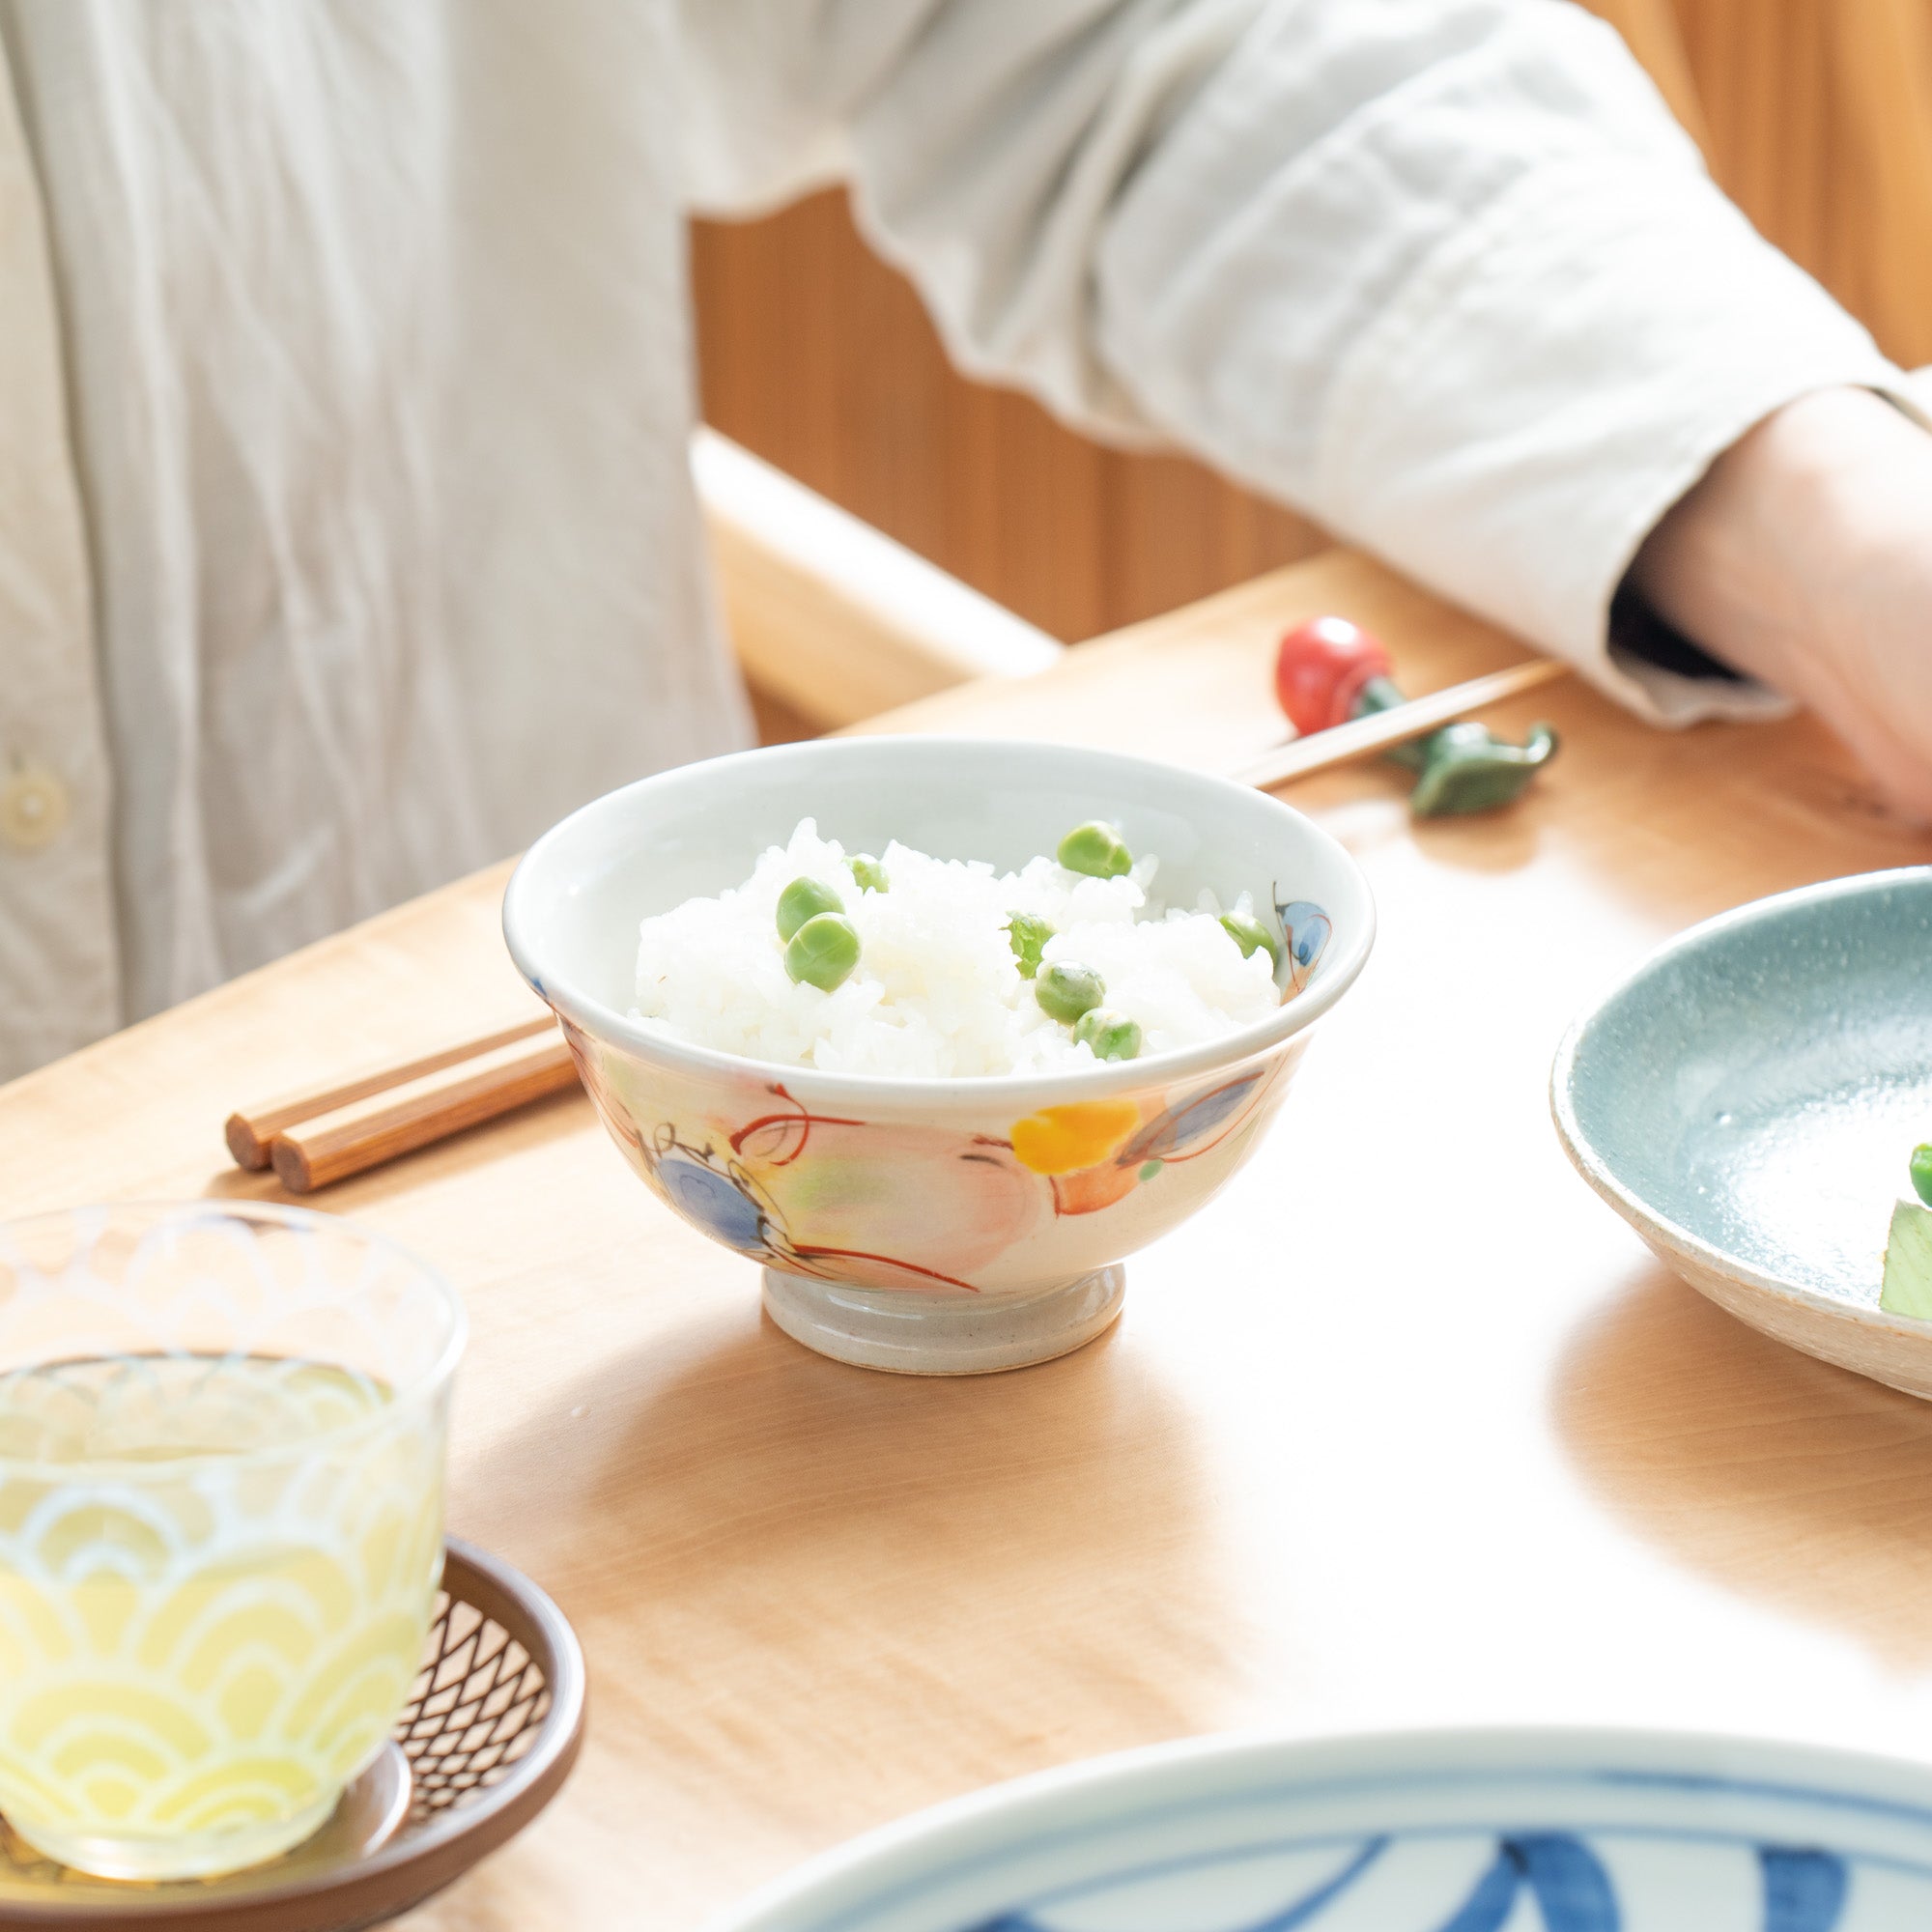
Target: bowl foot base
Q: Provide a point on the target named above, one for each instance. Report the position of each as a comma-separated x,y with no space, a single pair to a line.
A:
914,1334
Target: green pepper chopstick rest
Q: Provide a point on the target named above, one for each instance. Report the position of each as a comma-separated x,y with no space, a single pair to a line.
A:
1095,849
801,901
823,952
1064,991
1467,769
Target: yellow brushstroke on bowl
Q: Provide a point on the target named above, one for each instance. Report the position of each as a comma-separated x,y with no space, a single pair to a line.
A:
1065,1140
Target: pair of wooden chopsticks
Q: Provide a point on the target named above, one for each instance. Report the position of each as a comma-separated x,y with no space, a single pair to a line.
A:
317,1138
314,1138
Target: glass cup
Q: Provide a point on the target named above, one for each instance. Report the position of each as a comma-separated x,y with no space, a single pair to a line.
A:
221,1456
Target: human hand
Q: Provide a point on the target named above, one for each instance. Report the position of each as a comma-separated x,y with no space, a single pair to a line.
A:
1804,558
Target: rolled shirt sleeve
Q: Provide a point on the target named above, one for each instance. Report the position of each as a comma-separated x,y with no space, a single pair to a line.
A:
1445,274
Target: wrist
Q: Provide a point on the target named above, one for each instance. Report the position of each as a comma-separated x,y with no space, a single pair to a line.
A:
1757,560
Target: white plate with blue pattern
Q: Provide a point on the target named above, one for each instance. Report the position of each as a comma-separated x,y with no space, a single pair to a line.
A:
1555,1831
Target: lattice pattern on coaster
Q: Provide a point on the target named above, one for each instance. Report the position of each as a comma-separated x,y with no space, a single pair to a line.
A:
479,1711
475,1708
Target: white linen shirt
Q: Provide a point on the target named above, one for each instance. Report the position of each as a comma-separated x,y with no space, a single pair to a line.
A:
347,535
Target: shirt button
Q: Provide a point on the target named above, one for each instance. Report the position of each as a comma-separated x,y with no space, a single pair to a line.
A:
33,807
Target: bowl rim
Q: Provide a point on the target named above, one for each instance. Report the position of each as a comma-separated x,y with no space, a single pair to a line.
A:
863,1873
1596,1169
1341,962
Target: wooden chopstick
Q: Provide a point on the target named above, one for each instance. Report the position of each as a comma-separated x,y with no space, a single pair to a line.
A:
378,1126
250,1134
1363,737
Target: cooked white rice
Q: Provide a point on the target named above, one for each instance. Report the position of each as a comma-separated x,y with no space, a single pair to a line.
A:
937,992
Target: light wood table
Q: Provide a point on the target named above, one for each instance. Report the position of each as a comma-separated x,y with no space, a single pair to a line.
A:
1404,1429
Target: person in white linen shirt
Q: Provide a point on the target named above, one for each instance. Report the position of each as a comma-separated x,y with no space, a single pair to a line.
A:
347,534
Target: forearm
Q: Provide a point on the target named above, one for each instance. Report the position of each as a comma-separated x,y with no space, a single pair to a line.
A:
1804,558
1443,274
1784,523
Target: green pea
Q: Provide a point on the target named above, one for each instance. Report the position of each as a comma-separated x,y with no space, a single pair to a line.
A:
1249,934
1028,934
1095,849
867,873
1921,1173
1112,1035
804,900
1064,991
823,952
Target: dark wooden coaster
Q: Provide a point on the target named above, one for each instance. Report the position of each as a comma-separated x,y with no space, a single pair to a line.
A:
485,1743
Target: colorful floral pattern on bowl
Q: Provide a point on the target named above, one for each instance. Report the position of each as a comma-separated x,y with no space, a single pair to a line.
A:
975,1202
929,1226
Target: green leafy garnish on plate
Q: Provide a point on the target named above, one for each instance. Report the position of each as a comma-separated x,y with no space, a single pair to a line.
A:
1908,1247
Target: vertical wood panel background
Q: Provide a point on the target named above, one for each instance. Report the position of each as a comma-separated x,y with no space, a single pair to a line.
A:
820,358
1816,115
1820,125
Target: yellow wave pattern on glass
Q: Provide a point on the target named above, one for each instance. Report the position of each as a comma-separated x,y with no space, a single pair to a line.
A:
216,1581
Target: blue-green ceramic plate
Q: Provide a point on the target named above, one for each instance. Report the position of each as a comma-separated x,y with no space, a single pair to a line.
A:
1747,1101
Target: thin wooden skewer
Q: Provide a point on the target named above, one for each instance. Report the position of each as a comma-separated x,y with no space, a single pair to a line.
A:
1363,737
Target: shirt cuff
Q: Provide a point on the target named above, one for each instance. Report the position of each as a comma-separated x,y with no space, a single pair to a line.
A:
1914,397
1681,681
1553,379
